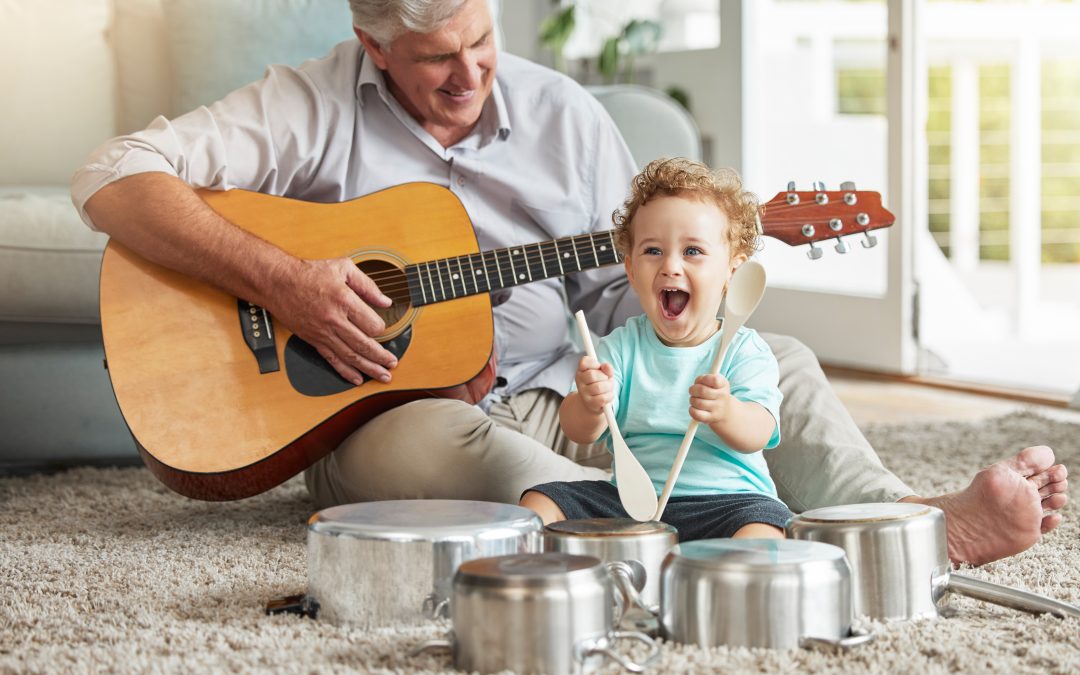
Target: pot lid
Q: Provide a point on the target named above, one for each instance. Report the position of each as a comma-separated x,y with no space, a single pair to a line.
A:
766,553
608,527
528,569
864,513
424,520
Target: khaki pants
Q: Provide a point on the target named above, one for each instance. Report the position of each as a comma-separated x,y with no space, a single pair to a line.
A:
445,449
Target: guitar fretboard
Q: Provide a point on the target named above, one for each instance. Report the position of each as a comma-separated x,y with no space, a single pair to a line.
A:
449,278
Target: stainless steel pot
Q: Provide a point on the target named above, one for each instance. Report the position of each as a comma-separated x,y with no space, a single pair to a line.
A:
772,593
392,563
642,546
540,613
900,561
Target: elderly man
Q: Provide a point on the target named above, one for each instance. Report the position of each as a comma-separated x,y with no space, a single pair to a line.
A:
531,156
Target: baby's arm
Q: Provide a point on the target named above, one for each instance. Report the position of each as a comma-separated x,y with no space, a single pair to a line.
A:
582,412
743,426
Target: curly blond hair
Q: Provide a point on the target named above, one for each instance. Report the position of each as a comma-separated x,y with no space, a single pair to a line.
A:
682,177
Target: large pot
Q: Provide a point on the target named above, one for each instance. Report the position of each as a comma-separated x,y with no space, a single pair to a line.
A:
392,563
773,593
538,613
642,546
900,561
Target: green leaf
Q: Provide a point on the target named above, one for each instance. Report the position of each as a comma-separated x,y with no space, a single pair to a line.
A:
609,58
557,28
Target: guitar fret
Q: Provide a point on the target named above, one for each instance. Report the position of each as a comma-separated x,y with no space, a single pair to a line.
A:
487,275
412,276
528,267
513,272
498,267
558,258
543,264
573,242
472,275
431,282
592,245
461,275
438,274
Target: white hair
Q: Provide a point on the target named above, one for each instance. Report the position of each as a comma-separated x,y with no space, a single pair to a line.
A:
385,20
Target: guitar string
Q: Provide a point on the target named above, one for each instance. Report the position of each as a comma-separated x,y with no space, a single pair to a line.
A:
554,254
531,257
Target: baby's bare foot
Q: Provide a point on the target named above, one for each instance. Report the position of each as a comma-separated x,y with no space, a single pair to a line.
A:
1005,508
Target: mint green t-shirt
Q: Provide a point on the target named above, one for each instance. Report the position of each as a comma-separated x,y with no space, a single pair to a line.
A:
652,402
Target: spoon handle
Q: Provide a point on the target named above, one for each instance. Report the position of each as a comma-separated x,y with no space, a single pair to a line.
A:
586,339
688,437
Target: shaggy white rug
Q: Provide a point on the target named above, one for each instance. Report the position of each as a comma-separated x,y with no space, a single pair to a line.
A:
107,570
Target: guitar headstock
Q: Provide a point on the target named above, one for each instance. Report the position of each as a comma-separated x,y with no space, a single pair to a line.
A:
798,217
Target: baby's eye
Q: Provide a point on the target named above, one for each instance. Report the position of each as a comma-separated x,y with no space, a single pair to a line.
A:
651,250
693,250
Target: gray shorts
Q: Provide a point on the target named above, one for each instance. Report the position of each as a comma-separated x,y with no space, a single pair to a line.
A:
695,516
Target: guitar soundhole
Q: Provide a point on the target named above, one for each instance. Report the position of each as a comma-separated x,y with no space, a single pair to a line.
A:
392,282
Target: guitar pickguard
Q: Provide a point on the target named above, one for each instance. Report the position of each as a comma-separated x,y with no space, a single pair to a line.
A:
311,375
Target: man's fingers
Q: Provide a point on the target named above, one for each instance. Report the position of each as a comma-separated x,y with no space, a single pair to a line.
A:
366,288
350,362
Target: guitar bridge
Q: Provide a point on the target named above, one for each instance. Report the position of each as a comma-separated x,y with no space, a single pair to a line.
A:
258,333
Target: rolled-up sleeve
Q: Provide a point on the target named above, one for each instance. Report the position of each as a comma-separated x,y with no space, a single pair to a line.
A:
231,143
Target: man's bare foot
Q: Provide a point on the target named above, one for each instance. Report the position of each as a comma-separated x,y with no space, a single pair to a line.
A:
1005,508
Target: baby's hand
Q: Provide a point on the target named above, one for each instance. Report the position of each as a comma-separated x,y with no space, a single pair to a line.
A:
710,399
594,384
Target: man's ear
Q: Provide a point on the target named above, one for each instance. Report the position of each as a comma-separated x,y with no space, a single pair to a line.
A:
372,48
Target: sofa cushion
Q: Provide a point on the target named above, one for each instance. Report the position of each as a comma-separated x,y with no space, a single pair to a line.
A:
219,45
57,80
49,260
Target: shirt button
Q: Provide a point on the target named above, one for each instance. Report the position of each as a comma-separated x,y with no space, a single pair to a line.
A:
461,180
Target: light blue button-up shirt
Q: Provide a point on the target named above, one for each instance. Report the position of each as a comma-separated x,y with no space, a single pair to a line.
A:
544,161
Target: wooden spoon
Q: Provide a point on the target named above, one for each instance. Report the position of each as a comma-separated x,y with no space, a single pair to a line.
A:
636,491
744,293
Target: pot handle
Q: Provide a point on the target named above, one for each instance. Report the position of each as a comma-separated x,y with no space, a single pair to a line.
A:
1014,598
632,666
856,639
624,576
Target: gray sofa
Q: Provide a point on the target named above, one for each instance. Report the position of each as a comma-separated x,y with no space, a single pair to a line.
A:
56,405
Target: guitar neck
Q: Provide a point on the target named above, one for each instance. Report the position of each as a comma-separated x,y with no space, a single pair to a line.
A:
457,277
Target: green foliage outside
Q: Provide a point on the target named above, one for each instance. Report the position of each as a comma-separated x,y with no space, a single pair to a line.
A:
862,92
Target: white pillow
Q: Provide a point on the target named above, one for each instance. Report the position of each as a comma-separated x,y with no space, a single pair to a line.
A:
220,45
57,84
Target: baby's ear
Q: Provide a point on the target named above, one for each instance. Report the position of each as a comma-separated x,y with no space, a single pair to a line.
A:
737,260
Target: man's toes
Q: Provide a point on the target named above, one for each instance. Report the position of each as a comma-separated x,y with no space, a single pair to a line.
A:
1050,522
1055,502
1031,461
1052,488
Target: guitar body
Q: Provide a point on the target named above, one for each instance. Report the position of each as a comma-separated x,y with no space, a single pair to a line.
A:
206,420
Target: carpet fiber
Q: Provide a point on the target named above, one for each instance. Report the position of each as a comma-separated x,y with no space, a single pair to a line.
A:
107,570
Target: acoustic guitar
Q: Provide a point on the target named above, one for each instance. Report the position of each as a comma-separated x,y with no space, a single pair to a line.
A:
223,403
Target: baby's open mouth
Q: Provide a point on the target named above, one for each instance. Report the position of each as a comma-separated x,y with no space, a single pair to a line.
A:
673,302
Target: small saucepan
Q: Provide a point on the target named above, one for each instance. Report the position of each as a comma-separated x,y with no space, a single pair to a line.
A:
900,561
641,546
535,613
773,593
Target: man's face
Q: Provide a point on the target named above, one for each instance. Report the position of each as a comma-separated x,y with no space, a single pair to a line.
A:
443,78
679,264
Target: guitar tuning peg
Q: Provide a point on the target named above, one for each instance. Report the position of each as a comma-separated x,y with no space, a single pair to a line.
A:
791,186
814,253
847,185
841,245
819,186
870,241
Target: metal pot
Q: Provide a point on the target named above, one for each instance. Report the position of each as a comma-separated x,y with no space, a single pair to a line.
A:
900,561
642,546
392,563
772,593
540,613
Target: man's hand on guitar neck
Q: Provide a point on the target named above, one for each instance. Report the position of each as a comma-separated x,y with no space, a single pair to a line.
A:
327,303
